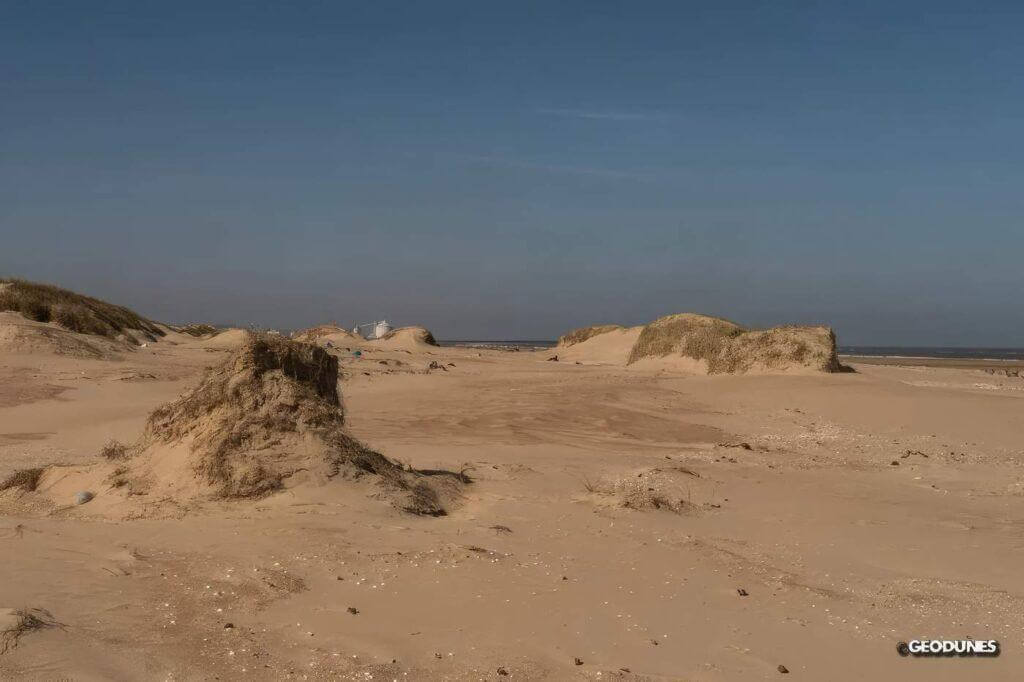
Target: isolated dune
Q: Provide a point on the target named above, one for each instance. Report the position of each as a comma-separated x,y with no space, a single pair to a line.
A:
611,346
406,338
326,332
268,418
712,345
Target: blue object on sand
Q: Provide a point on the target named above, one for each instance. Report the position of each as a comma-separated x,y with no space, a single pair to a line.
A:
358,353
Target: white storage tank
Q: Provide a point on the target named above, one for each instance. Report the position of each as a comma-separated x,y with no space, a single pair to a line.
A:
381,329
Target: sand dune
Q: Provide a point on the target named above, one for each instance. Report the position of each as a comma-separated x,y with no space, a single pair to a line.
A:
405,338
699,344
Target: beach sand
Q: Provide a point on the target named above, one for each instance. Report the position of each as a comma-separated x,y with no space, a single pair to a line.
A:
623,523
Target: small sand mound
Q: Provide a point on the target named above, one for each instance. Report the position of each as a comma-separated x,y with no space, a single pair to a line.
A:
674,489
333,331
407,338
717,346
583,333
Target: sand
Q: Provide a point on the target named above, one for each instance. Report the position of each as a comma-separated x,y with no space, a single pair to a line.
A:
781,486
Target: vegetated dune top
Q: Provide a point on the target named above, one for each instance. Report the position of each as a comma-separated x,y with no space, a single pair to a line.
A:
583,333
268,418
75,312
723,347
313,334
407,338
702,344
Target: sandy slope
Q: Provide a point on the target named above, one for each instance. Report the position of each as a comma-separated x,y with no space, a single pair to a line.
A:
841,553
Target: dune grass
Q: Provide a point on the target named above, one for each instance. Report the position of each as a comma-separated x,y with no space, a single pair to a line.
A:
75,312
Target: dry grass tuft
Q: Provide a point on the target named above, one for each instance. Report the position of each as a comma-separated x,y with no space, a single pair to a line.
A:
116,451
727,348
75,312
24,622
26,479
583,333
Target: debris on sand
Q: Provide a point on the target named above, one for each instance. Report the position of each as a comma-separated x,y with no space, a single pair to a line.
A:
434,364
553,358
353,610
15,623
83,496
742,592
783,669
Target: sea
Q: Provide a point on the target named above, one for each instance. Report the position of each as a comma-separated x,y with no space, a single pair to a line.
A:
948,353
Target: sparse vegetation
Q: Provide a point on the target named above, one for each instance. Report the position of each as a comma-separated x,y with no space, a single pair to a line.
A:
75,312
115,451
197,329
583,333
26,479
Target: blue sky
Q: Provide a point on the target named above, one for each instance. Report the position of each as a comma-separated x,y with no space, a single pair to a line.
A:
497,170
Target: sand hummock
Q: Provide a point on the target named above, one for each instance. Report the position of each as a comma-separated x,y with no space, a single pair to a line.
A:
268,418
716,346
406,338
325,332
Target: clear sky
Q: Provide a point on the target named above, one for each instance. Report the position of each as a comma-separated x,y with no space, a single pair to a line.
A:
511,170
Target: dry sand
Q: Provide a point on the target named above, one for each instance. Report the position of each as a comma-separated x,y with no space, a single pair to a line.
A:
613,516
